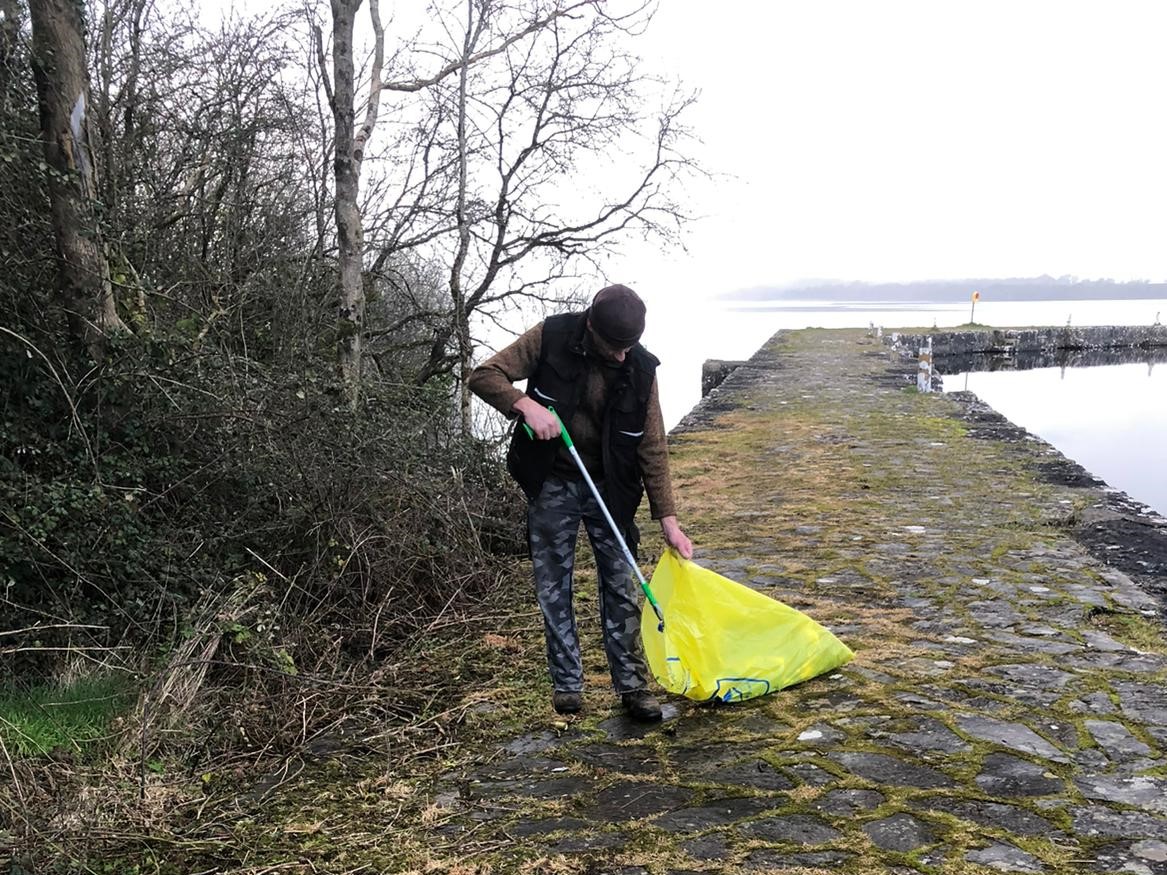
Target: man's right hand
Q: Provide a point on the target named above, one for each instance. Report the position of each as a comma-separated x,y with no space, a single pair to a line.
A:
540,420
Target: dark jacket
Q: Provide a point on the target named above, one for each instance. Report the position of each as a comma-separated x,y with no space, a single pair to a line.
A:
558,382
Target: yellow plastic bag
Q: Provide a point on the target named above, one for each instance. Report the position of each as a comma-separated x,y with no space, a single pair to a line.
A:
722,640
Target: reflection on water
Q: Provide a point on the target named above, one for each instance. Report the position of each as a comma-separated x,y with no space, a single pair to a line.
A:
1061,359
1105,409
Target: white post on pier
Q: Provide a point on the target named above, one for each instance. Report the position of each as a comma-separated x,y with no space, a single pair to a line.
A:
924,372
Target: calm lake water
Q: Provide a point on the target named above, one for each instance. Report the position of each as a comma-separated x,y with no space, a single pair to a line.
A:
1110,419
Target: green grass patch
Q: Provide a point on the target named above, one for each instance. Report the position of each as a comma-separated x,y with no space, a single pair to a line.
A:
1134,630
34,721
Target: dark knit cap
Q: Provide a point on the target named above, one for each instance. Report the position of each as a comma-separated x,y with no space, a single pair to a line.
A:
617,315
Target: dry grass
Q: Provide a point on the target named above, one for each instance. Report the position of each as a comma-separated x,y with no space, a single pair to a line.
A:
354,751
1132,629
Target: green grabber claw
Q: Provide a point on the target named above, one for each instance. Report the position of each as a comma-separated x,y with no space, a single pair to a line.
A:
628,557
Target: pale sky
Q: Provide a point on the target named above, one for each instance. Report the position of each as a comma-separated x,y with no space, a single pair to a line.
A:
909,139
884,140
900,140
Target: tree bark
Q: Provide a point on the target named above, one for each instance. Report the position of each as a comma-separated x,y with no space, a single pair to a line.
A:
350,312
62,82
349,152
457,292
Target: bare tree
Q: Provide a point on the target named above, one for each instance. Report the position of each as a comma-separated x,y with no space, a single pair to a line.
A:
117,61
475,24
210,157
350,143
62,79
556,160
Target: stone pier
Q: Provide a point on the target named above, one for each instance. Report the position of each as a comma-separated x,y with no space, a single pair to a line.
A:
1007,707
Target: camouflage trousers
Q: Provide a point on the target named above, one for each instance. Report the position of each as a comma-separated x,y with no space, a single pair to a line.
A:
553,526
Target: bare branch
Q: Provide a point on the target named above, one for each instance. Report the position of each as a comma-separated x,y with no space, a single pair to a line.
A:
322,63
469,60
374,98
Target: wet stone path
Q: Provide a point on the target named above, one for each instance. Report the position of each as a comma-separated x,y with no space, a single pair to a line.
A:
1007,707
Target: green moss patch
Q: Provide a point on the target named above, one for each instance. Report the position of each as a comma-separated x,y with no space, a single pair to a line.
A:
73,716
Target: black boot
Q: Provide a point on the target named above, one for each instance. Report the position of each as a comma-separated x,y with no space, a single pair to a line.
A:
641,705
565,702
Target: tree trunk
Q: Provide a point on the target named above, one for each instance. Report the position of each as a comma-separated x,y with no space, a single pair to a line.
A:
349,152
457,291
349,232
63,92
348,215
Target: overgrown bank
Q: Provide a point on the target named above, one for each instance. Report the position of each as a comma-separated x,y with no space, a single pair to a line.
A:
241,516
211,566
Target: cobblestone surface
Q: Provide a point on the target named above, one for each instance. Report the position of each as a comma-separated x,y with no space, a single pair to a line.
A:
1007,707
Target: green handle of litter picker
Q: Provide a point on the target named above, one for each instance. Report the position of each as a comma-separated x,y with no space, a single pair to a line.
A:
660,615
562,430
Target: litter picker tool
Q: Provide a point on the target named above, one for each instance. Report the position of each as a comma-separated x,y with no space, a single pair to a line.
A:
628,557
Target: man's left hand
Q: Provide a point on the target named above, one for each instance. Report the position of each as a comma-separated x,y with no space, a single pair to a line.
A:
675,538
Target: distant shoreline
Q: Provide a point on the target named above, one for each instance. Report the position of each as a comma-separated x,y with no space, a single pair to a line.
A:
953,291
